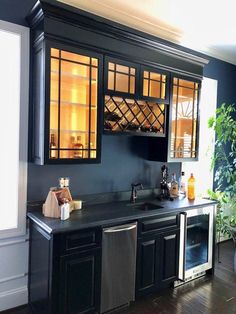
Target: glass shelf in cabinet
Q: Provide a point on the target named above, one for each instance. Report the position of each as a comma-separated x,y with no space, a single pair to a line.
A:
74,75
55,102
182,137
72,131
67,86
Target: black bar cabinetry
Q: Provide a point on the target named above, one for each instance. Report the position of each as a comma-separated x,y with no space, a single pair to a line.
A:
66,96
136,98
65,268
66,103
65,256
158,251
85,66
64,271
80,275
182,137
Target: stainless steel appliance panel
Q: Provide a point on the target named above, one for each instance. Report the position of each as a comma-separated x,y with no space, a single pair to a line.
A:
196,242
119,245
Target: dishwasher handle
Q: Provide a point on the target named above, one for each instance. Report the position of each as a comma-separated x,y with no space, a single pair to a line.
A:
182,245
120,228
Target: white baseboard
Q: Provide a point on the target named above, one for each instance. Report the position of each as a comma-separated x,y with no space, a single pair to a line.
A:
13,298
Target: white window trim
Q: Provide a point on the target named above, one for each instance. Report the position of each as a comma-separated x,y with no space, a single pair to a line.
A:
23,32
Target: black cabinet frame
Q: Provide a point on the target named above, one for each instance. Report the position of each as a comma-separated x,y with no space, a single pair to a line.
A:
79,290
172,159
127,64
157,254
51,20
160,148
41,103
166,100
51,267
136,97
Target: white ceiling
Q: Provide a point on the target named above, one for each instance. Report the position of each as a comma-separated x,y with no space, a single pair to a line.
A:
207,26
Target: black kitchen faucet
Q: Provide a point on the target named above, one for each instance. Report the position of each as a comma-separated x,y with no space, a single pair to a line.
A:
134,191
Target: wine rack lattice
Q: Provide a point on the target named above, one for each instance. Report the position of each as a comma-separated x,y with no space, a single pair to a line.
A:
131,115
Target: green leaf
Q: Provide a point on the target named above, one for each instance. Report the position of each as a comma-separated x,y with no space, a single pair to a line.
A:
224,162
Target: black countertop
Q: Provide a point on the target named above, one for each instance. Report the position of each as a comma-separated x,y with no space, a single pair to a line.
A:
112,213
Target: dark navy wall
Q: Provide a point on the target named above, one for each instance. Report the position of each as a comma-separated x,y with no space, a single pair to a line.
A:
123,158
14,11
123,162
225,73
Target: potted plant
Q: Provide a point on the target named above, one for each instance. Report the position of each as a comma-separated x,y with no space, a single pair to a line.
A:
222,220
224,161
232,221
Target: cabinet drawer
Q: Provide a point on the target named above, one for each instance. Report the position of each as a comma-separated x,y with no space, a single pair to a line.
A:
160,223
80,240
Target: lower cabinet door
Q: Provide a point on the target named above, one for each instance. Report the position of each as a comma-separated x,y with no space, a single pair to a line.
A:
169,257
80,277
157,261
147,265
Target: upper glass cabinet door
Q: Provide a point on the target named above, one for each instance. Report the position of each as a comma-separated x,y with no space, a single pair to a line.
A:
121,77
73,106
184,118
155,85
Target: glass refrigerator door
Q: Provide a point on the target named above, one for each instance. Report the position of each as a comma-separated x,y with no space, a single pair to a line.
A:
197,241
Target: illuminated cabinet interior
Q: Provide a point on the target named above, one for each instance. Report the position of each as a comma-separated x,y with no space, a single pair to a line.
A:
154,84
133,103
73,105
91,77
184,118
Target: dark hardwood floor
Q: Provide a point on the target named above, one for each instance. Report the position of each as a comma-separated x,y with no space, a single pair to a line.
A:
206,295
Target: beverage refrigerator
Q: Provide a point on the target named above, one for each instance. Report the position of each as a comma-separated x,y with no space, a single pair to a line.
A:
196,243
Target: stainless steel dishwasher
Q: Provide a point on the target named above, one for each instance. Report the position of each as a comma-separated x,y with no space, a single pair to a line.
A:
119,245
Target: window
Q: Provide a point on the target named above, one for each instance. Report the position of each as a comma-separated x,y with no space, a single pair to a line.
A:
14,77
202,168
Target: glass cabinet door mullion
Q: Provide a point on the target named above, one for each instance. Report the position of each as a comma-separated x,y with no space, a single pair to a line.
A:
193,112
176,118
90,103
162,88
59,105
115,71
149,85
129,76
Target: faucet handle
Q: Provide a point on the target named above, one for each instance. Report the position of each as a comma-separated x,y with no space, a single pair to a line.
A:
136,185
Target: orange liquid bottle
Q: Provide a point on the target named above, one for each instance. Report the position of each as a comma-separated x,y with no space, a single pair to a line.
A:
191,187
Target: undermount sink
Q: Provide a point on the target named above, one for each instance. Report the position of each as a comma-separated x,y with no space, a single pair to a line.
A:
145,206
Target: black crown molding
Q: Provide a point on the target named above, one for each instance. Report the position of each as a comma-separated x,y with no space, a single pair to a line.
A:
83,19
